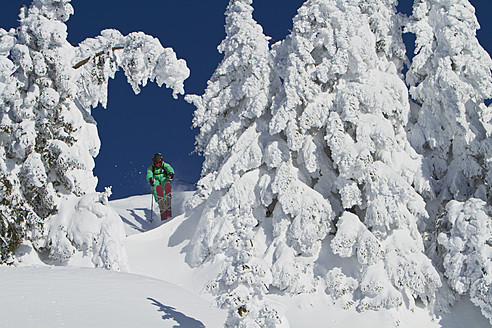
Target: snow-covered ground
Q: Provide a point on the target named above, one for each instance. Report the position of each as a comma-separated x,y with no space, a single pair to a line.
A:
161,290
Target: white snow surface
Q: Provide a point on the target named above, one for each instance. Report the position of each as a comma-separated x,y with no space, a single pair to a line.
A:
161,290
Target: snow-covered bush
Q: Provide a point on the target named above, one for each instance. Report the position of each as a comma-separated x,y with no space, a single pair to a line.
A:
47,89
87,227
467,243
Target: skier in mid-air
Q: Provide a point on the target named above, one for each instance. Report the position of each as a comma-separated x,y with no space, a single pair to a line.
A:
160,175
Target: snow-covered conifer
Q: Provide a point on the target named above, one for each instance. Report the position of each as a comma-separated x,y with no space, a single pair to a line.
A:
238,94
328,153
14,212
450,77
49,138
344,116
240,89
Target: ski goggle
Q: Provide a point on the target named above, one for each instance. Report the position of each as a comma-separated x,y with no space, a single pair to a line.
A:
158,162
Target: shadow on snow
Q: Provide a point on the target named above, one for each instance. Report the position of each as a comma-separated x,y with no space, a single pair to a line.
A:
171,313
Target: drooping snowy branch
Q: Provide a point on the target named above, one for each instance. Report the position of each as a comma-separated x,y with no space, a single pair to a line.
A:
141,56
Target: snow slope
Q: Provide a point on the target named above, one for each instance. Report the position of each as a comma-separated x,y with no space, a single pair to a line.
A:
84,297
161,290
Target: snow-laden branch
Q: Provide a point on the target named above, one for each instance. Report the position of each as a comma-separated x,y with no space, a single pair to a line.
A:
142,58
100,53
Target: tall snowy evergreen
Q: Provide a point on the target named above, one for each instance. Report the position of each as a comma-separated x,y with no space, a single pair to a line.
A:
237,96
450,77
239,91
344,115
48,137
327,155
14,211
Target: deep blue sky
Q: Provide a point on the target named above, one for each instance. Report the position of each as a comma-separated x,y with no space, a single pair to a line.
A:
134,127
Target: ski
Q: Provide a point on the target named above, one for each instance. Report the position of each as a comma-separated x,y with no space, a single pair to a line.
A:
167,191
164,200
161,201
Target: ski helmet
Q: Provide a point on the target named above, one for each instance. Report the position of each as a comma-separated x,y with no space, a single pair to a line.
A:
157,158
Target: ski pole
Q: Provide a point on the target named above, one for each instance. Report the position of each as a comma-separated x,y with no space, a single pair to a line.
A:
191,183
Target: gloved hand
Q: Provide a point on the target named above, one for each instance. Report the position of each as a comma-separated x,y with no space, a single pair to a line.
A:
152,181
170,175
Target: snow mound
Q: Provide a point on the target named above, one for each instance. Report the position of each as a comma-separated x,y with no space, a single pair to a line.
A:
86,227
83,297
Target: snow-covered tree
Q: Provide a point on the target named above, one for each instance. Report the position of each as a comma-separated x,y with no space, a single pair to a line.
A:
344,115
326,153
449,78
240,89
239,93
14,214
49,138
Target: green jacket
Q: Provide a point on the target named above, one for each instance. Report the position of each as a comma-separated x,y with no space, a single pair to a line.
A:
160,174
